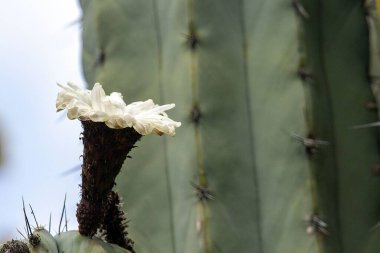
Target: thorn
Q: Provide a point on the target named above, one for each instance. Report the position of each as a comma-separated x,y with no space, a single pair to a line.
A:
49,222
63,210
300,10
72,170
28,228
195,114
304,74
316,225
66,218
75,22
310,143
374,124
26,231
100,59
34,216
192,40
376,226
21,234
203,193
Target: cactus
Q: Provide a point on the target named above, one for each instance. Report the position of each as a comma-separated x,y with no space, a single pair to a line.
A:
70,241
336,48
268,92
267,159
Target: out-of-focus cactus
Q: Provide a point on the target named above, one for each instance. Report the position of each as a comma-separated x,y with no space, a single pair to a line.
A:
336,55
71,241
268,92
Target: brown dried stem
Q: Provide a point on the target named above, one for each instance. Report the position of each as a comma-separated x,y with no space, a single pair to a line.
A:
105,150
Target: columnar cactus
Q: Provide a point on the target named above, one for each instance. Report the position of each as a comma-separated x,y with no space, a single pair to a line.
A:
268,92
337,56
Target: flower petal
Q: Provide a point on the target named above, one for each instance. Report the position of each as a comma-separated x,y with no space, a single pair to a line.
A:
144,116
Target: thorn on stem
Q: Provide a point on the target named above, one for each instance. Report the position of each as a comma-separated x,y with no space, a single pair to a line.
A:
373,124
65,219
304,74
310,143
192,40
100,59
316,224
21,234
63,211
50,222
300,10
28,228
195,114
34,216
203,193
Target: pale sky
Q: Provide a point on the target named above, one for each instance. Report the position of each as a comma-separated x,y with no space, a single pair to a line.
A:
39,46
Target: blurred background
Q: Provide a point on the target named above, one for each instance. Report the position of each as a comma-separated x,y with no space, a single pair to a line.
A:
39,46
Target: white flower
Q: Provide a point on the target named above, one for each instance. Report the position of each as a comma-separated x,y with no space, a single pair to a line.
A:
145,117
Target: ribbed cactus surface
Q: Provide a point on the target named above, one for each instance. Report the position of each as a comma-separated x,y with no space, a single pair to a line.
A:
268,91
337,55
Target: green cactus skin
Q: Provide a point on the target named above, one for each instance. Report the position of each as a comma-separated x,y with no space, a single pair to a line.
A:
73,242
47,243
232,68
230,65
336,47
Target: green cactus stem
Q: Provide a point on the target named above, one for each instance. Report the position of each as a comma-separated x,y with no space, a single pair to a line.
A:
74,242
336,46
233,179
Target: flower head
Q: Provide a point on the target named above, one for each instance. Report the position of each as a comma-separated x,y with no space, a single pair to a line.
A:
94,105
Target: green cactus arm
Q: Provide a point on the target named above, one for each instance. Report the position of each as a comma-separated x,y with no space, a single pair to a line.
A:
336,42
46,242
73,242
